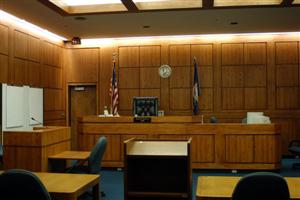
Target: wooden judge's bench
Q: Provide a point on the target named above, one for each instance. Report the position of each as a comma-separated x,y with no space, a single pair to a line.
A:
214,146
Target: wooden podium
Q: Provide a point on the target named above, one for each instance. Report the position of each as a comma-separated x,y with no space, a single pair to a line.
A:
157,169
30,149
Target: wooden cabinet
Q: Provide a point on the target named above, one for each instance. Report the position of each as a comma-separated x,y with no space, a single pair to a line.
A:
157,169
214,146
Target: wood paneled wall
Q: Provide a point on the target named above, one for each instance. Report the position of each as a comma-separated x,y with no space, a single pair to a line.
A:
27,58
237,75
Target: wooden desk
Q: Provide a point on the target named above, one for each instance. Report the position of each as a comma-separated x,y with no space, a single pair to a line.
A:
71,155
57,162
69,186
221,187
30,149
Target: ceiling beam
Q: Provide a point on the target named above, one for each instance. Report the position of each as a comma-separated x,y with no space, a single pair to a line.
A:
130,5
207,4
286,3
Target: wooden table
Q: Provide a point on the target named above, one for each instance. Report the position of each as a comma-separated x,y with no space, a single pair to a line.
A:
57,162
221,187
69,186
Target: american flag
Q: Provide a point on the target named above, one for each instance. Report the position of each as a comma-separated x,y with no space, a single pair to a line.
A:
196,89
114,92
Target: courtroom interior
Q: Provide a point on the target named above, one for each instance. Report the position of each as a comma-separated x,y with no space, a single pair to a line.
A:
149,99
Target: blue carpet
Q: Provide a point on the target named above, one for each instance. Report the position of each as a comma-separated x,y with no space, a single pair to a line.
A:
112,180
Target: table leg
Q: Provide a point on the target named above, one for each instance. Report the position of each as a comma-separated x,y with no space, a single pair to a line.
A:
96,190
57,165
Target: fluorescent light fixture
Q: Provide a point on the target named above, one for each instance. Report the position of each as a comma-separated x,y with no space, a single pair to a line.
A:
225,3
29,26
211,37
87,2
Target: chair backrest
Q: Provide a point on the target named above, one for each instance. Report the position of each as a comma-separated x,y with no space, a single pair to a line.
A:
95,158
261,186
16,184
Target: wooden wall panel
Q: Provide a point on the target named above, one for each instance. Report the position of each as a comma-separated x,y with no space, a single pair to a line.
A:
287,53
150,56
233,76
255,76
128,56
206,99
129,77
53,99
181,77
125,98
287,75
255,98
3,68
287,98
255,53
179,55
233,98
20,72
20,47
33,48
84,67
180,99
149,77
232,54
4,39
203,54
33,73
205,75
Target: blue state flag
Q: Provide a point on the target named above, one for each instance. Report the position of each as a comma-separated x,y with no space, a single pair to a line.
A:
196,89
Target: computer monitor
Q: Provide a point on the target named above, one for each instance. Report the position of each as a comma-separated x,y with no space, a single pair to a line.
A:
145,106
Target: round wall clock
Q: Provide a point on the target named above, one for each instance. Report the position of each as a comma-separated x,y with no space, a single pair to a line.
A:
165,71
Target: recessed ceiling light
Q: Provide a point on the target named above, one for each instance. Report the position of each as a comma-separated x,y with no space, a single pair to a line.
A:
80,18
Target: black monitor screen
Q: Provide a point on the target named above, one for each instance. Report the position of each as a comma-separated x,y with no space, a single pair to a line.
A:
145,106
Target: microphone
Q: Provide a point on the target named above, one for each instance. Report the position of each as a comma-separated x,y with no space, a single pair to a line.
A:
38,122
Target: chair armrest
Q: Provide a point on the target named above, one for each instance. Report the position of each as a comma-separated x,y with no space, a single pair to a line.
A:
294,143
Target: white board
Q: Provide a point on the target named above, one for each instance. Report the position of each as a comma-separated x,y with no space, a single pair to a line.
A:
20,105
14,106
35,106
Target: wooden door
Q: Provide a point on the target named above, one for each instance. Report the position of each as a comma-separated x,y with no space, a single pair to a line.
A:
82,101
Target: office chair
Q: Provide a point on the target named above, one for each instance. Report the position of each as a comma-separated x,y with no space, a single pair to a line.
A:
261,186
294,148
16,184
94,160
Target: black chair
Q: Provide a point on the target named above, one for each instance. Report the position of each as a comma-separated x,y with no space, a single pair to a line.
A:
294,148
261,186
94,161
16,184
